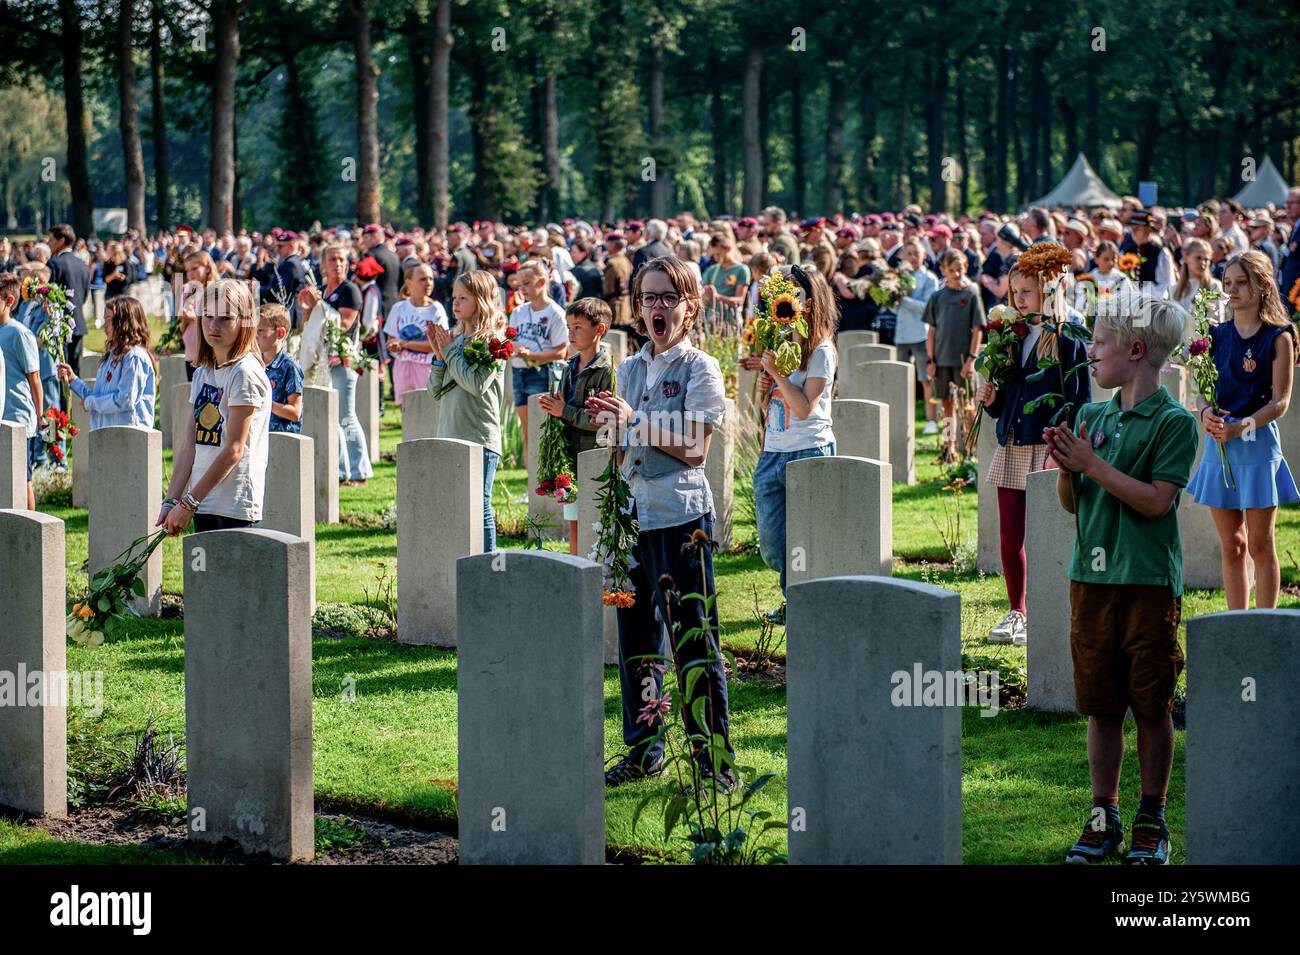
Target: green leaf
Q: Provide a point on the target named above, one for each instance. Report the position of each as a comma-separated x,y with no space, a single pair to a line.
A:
1078,333
104,604
137,587
673,812
693,677
640,808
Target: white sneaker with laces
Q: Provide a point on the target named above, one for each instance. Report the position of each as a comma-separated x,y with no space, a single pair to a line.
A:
1019,630
931,427
1005,631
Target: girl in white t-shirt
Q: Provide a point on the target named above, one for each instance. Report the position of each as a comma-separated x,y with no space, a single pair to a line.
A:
406,332
798,415
219,467
542,342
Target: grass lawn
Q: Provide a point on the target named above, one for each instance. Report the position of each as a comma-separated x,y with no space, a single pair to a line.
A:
393,748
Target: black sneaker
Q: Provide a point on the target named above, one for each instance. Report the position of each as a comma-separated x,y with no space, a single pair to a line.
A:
1095,845
1149,843
726,783
627,771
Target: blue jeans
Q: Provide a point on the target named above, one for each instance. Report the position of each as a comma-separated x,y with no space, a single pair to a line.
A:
354,456
530,381
769,502
490,461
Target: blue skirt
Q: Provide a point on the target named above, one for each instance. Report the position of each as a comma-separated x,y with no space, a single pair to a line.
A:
1259,471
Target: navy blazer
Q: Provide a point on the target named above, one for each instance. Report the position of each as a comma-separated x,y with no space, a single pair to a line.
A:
1007,407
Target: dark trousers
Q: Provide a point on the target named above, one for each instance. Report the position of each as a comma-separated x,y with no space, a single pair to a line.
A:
216,522
73,351
642,631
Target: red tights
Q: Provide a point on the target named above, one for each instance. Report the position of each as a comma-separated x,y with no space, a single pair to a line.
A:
1011,524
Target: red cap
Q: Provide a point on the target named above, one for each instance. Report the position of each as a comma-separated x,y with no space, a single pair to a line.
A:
369,268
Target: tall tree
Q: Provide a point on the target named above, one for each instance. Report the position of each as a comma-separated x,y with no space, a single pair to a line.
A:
128,119
751,103
221,191
368,191
439,139
419,48
158,118
83,218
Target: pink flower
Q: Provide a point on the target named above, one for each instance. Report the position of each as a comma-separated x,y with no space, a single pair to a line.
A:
1199,347
656,709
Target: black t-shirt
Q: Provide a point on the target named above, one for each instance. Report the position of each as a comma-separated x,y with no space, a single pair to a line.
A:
992,267
118,285
347,295
858,314
389,281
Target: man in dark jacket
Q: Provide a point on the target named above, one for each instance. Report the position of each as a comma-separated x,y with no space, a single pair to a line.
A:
74,275
373,237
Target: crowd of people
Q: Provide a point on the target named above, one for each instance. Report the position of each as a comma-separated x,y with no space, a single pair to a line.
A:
415,302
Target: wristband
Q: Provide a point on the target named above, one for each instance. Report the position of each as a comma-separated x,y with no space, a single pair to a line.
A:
440,364
190,501
169,502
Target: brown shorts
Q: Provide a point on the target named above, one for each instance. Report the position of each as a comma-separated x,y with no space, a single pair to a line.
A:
943,375
1124,641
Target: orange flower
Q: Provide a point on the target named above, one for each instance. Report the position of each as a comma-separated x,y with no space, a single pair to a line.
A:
83,611
1045,260
619,598
747,336
1128,262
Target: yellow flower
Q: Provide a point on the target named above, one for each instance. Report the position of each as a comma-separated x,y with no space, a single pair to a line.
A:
785,309
747,336
1128,261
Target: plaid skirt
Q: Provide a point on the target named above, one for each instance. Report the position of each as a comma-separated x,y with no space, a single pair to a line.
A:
1012,463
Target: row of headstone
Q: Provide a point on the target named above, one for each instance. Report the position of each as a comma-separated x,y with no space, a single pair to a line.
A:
892,383
874,724
172,373
13,466
320,422
861,428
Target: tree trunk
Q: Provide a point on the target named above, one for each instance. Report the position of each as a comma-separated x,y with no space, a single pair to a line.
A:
796,143
439,78
1092,120
963,153
161,179
1021,193
719,155
236,194
368,199
836,105
1070,122
417,53
129,120
1044,96
867,172
550,146
752,200
477,105
901,178
83,210
660,187
1147,132
221,193
936,130
1033,118
1001,173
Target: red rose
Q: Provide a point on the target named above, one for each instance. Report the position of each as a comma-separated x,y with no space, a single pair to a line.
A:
1200,346
72,431
1021,329
563,480
56,452
511,333
995,325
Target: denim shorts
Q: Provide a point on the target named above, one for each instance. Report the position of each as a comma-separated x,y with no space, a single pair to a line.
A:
530,381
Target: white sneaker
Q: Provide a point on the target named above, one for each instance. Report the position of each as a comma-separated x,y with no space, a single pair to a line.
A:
931,427
1005,631
1020,631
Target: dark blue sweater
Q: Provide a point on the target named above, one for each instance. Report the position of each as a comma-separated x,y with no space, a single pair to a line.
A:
1008,404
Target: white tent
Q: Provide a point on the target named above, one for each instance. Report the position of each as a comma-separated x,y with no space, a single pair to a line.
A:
1081,187
1268,187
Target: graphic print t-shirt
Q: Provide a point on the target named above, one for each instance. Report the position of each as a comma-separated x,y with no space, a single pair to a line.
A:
214,392
406,322
539,329
788,433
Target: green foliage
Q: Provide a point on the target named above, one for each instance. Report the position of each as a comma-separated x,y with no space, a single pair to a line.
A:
339,834
351,620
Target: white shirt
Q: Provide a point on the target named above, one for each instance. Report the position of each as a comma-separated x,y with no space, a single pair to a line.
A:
213,392
539,329
788,433
683,495
407,322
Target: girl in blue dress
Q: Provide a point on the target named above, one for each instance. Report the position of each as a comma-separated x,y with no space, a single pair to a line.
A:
1254,351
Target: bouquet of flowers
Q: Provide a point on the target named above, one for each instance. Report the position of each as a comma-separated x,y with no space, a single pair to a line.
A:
1195,355
555,474
616,531
56,429
110,593
55,334
341,348
170,341
999,356
891,286
779,315
481,354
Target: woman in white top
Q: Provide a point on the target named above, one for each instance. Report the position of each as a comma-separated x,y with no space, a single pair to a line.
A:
406,332
219,467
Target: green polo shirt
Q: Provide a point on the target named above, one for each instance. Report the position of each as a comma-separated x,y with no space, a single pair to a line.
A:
1153,441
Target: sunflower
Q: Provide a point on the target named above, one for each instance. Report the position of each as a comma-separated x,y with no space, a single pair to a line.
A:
785,309
747,336
1128,262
